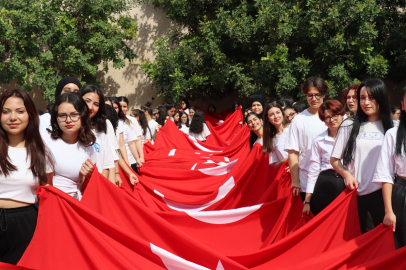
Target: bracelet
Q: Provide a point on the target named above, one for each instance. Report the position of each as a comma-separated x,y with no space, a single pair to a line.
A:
117,173
306,202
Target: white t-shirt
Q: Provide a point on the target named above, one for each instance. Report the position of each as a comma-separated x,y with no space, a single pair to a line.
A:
367,149
128,136
396,123
389,163
184,129
104,152
202,135
145,137
152,125
319,158
134,123
44,122
260,141
111,135
68,161
303,129
279,152
20,185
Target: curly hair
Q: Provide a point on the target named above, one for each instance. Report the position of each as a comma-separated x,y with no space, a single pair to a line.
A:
197,122
86,136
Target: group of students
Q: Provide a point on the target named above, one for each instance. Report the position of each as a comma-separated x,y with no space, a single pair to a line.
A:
328,151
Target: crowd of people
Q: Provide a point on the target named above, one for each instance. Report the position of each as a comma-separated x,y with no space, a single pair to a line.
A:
329,146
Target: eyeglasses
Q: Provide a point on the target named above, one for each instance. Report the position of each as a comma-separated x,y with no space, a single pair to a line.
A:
334,117
63,117
364,99
317,96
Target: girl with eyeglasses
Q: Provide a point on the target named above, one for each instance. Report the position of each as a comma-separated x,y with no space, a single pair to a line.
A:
303,129
183,123
71,141
390,173
323,183
357,148
290,113
275,131
25,164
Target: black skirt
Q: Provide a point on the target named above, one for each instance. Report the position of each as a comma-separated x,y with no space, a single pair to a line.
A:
399,208
329,185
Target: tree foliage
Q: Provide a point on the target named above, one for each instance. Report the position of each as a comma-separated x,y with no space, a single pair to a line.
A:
271,46
43,41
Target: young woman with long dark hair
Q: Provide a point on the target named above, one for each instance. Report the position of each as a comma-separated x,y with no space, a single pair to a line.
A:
142,121
176,117
25,164
390,173
128,139
395,112
198,128
170,109
254,123
124,104
183,124
184,106
192,111
323,183
105,151
71,141
358,145
303,129
112,116
276,129
162,117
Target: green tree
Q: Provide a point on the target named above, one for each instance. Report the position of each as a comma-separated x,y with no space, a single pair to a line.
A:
270,46
43,41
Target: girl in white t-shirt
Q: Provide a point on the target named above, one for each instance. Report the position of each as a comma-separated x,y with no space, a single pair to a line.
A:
71,142
25,163
323,183
198,128
142,121
183,123
390,173
275,133
358,144
184,104
303,129
105,152
254,123
114,120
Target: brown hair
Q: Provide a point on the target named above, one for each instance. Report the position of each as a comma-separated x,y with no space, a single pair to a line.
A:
86,136
333,105
317,82
270,130
37,151
352,87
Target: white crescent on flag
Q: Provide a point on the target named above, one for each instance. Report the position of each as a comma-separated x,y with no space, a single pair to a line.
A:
218,170
223,191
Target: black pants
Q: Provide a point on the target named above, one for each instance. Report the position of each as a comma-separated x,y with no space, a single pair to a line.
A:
17,226
372,203
399,208
328,186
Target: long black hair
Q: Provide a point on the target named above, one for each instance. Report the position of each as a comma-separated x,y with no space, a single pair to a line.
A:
86,136
163,114
380,93
112,116
197,122
401,134
99,120
143,120
180,120
270,130
253,136
120,113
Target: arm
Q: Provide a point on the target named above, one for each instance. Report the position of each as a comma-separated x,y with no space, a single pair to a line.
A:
50,177
140,150
133,177
121,146
133,148
117,178
279,163
350,181
316,161
390,218
293,159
